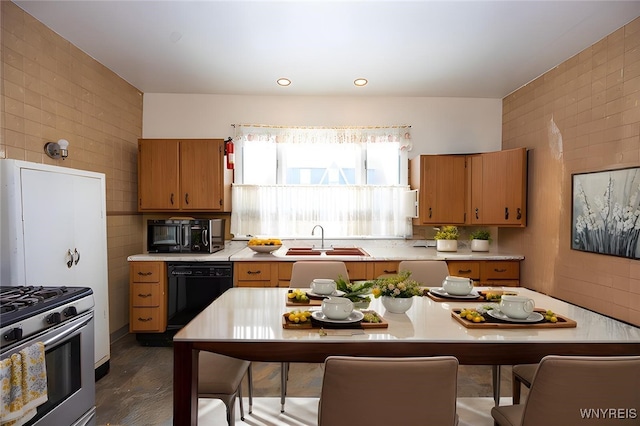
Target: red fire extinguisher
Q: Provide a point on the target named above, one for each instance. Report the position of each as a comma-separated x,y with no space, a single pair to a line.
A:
228,148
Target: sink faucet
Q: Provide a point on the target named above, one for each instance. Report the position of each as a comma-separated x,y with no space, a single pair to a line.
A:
321,234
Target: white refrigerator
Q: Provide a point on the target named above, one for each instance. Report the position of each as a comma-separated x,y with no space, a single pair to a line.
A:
53,232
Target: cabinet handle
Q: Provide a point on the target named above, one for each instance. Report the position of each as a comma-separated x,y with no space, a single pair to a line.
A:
506,213
186,198
145,319
465,271
499,270
390,272
429,212
519,215
477,213
69,259
172,198
144,274
254,272
144,295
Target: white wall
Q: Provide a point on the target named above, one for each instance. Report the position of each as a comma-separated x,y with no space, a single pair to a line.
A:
438,125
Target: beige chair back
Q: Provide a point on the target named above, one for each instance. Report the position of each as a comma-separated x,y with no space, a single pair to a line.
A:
388,391
429,273
303,272
565,388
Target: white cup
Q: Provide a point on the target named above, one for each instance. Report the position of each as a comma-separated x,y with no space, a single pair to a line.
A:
516,307
337,308
457,286
323,286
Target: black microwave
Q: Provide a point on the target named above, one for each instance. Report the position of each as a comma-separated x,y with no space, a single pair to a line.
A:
185,235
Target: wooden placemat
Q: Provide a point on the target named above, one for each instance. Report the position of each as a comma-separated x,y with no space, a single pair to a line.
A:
313,301
314,324
490,322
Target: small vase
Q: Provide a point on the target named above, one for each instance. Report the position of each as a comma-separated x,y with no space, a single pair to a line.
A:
397,305
479,245
447,245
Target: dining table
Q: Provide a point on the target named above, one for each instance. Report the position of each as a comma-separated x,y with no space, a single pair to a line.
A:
249,323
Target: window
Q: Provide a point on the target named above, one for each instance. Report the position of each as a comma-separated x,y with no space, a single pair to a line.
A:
350,180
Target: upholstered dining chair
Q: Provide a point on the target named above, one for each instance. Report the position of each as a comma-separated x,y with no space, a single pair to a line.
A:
401,391
220,377
429,273
302,273
570,390
521,374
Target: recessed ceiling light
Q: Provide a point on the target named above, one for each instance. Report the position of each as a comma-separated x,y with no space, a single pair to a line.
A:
284,81
360,82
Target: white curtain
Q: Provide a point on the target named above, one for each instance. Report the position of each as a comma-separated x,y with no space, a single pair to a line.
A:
293,210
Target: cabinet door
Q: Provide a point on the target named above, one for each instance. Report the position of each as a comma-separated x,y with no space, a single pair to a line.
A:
442,189
201,179
158,182
503,199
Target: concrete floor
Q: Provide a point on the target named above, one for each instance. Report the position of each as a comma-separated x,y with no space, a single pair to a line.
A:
138,389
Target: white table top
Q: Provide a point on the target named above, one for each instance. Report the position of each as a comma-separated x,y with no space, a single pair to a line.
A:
255,315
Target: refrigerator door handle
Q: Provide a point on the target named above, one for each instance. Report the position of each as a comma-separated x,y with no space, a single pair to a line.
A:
69,259
76,256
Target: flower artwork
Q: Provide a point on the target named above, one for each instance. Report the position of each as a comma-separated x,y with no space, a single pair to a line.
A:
606,212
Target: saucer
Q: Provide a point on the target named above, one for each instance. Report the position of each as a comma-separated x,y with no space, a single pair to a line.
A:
336,293
355,316
440,292
534,317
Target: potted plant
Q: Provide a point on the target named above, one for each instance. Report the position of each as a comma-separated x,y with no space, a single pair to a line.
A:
356,292
447,238
480,239
397,292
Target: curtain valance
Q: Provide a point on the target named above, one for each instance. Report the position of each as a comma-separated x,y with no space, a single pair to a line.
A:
282,134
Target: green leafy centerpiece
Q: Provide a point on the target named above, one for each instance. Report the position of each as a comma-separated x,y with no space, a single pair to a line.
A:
358,292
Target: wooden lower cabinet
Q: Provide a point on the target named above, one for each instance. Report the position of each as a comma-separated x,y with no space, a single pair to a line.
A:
147,297
504,273
278,274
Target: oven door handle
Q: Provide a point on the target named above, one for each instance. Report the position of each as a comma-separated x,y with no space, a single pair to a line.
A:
69,329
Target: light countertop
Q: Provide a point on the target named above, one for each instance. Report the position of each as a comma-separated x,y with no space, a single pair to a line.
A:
378,250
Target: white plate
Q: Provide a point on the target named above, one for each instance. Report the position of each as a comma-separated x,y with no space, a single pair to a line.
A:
355,316
264,249
534,317
440,292
336,293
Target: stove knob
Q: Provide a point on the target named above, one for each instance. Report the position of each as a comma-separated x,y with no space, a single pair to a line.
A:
13,334
70,311
54,318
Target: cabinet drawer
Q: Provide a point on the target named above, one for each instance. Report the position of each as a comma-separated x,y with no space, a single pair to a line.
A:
496,270
259,284
464,269
145,295
384,268
146,272
146,320
357,270
253,271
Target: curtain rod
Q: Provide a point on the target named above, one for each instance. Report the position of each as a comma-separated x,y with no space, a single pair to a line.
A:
322,127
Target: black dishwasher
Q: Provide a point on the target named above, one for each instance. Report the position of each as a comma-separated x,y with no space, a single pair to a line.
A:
192,286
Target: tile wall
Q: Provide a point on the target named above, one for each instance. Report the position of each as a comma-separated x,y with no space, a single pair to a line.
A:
582,116
52,90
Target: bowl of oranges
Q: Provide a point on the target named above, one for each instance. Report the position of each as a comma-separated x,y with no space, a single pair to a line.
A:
264,245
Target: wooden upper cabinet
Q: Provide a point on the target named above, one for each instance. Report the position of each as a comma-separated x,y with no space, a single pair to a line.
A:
499,188
180,175
158,174
441,181
201,174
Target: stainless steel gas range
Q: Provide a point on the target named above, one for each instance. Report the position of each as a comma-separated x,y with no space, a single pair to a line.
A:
62,319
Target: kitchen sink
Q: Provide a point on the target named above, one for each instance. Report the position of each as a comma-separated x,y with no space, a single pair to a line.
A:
333,251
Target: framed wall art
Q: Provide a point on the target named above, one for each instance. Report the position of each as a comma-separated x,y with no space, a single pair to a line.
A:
606,212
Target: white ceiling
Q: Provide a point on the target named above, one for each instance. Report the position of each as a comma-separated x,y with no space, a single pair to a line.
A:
483,49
